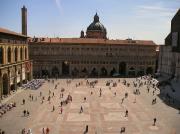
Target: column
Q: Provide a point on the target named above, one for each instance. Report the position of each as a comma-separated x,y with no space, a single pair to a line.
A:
15,79
9,81
1,86
21,76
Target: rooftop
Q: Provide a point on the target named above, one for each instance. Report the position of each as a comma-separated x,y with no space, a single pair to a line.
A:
89,41
6,31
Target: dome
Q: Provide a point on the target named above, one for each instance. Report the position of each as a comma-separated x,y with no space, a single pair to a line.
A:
96,25
96,29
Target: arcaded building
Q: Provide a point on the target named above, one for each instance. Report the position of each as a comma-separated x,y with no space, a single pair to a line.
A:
169,54
93,54
15,66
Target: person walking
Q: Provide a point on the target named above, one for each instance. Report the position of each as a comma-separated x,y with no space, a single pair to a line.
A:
122,100
81,109
47,130
53,108
86,129
24,112
154,121
126,113
23,101
43,131
61,110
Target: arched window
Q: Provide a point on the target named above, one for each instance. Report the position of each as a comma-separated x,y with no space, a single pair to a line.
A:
16,54
21,54
1,55
9,54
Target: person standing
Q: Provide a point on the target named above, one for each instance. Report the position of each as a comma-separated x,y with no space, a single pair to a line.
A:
23,101
61,110
53,108
81,109
126,113
47,130
154,123
86,129
43,131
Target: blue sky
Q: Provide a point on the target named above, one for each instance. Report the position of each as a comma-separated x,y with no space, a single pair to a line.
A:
137,19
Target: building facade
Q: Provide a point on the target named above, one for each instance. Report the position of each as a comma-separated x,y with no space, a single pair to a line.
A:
15,66
91,55
169,55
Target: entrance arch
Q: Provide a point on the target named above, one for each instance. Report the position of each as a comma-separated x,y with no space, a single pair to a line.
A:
103,71
5,84
122,68
75,72
131,72
113,71
149,70
65,68
55,72
94,72
45,73
140,72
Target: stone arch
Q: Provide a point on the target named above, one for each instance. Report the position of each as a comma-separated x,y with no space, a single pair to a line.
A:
113,71
94,72
149,70
9,54
44,72
1,55
122,68
140,72
5,84
55,72
65,67
84,70
132,71
75,71
103,71
16,54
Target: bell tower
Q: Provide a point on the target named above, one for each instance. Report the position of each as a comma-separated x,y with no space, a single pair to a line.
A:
24,20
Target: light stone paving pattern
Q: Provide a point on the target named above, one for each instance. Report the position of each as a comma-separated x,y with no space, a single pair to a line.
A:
103,115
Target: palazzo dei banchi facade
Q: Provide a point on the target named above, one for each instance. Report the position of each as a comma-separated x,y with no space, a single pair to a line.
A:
91,55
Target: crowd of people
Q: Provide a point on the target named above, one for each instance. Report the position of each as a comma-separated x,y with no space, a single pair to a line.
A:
4,108
34,84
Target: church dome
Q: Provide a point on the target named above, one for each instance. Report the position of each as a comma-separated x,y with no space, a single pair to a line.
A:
96,25
96,29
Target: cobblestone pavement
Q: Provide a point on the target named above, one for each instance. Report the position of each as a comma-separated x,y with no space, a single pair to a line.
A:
103,115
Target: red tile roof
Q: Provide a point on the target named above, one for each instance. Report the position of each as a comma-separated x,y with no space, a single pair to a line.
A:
6,31
88,41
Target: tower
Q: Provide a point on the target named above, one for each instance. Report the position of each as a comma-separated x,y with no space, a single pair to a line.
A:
24,20
82,34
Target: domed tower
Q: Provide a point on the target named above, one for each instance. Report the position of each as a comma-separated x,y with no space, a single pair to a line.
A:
96,29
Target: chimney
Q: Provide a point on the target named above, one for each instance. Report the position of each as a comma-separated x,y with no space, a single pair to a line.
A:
24,20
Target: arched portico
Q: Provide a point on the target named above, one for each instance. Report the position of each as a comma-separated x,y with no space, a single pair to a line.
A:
5,84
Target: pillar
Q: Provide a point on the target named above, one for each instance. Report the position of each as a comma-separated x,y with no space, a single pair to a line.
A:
1,86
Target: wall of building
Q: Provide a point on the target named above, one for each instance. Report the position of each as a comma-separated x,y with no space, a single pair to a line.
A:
80,57
15,66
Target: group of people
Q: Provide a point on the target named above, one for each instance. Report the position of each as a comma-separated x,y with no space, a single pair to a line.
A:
4,108
34,84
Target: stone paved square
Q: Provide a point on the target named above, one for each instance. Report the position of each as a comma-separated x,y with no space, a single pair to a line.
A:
103,114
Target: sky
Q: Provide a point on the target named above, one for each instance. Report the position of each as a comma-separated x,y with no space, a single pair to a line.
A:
136,19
